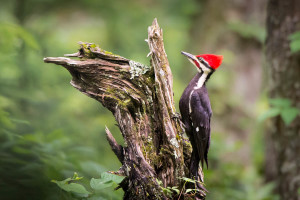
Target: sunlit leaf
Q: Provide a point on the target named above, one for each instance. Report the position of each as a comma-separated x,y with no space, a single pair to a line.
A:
188,180
280,102
175,188
76,177
190,190
273,112
289,114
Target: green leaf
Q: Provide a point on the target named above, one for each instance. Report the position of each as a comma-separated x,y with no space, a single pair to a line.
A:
167,191
19,31
280,102
295,36
248,31
159,182
99,184
264,191
71,187
105,181
295,42
273,112
111,177
190,190
68,186
175,188
188,180
295,46
288,115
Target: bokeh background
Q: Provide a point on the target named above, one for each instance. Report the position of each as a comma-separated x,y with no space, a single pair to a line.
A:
48,130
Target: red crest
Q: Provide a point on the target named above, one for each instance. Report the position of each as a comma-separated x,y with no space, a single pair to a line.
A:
213,60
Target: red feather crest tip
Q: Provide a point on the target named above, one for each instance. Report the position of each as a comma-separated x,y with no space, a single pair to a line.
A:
213,60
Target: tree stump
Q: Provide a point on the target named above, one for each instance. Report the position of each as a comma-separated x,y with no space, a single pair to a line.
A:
155,156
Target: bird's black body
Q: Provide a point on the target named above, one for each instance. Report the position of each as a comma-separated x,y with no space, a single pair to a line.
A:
196,112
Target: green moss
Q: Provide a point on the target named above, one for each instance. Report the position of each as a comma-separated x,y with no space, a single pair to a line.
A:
92,50
107,52
120,98
93,46
150,154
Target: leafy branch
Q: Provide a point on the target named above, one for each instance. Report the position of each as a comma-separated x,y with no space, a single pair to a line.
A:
280,107
106,180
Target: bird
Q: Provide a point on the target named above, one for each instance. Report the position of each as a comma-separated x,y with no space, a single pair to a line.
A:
195,108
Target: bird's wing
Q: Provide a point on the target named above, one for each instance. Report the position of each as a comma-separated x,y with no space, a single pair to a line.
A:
200,116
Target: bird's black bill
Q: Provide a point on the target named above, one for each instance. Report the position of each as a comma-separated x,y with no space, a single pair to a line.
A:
190,56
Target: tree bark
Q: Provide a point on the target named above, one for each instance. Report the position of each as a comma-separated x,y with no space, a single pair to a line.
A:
283,19
141,100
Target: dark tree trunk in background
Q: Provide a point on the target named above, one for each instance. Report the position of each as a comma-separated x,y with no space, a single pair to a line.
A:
141,99
283,142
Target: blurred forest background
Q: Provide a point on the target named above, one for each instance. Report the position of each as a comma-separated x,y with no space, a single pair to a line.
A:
48,130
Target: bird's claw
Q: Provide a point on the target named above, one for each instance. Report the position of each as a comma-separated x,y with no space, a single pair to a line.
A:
176,116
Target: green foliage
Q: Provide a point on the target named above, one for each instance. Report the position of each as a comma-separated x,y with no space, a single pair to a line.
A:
106,180
230,179
295,42
248,31
11,34
168,191
280,107
69,185
188,180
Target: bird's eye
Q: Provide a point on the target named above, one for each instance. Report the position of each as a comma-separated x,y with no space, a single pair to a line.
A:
200,59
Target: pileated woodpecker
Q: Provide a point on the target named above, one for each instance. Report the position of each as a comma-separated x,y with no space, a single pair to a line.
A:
195,108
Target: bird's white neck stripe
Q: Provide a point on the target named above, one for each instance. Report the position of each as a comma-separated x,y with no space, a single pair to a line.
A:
190,98
201,80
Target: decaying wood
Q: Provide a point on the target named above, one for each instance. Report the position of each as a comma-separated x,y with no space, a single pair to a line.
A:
141,100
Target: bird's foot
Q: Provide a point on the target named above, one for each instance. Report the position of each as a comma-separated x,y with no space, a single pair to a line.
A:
176,116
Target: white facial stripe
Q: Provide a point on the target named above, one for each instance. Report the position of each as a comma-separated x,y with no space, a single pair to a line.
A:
192,61
204,67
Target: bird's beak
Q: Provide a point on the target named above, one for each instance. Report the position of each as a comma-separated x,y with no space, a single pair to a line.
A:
188,55
193,59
